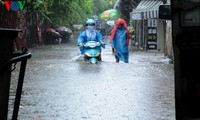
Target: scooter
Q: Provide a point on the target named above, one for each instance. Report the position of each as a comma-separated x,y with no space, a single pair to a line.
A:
92,52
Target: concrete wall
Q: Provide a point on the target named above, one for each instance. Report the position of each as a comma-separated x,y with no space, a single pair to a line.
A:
160,35
168,38
168,43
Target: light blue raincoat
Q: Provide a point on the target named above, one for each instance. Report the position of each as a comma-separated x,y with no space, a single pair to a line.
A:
119,43
89,35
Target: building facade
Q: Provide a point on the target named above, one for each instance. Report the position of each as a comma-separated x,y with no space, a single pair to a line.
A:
151,33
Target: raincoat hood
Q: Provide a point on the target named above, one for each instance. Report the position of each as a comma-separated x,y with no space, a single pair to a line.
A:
120,22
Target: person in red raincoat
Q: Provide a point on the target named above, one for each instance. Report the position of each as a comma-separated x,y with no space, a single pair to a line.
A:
119,39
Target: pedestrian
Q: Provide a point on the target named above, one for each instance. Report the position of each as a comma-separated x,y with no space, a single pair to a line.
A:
119,39
89,34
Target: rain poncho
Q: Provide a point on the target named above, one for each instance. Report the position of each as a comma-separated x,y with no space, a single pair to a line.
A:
120,40
89,35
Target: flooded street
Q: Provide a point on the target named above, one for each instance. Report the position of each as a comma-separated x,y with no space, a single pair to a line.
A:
57,86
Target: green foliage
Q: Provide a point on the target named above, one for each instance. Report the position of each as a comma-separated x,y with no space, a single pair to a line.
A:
40,7
102,5
1,2
69,12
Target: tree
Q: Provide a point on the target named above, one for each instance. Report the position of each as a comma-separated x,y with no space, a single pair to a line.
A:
126,6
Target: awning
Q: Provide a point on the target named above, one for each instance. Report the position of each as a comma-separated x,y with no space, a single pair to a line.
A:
146,9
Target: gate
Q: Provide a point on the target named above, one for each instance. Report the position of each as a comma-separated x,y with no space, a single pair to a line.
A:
8,58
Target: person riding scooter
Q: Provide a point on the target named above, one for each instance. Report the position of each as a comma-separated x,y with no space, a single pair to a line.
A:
90,34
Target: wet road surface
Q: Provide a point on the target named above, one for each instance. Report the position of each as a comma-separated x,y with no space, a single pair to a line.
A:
58,87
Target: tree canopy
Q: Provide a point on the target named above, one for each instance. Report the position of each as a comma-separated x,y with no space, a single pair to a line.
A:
68,12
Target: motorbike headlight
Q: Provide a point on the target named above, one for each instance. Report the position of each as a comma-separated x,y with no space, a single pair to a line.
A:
92,44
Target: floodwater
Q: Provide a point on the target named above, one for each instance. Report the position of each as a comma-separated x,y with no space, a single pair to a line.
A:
58,86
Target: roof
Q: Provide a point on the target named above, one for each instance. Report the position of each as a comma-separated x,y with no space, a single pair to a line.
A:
146,9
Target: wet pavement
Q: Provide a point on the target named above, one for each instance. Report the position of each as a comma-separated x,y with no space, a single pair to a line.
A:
57,86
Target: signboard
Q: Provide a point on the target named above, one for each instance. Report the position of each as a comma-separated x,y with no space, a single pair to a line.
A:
136,16
152,38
